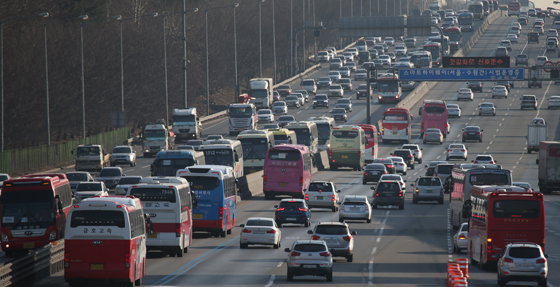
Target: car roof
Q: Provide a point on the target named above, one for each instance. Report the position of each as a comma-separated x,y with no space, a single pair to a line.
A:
332,223
292,199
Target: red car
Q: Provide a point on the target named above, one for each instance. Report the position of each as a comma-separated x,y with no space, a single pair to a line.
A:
284,90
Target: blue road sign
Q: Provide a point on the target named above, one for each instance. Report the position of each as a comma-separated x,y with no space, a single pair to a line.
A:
461,74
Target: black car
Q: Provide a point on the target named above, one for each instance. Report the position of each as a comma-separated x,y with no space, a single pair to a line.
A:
388,192
373,172
388,164
292,211
321,101
475,86
472,133
533,37
362,91
407,156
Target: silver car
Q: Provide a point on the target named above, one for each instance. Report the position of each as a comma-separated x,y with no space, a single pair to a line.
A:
416,151
352,66
346,84
89,189
523,262
457,151
324,82
453,110
344,103
433,135
309,257
125,183
280,107
344,72
335,76
336,91
355,207
75,177
339,115
361,74
427,188
111,176
292,101
486,109
460,238
338,237
322,194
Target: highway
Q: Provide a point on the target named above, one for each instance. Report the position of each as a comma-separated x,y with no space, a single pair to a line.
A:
407,247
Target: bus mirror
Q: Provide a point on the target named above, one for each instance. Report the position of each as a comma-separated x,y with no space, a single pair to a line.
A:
57,197
60,208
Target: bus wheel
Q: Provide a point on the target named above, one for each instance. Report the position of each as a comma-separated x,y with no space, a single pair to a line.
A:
229,231
186,250
223,233
179,252
138,282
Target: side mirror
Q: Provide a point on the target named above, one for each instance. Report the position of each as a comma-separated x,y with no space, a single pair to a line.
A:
305,190
391,153
338,190
495,161
287,250
309,231
472,160
545,255
133,151
354,233
481,130
372,188
426,166
242,225
412,184
276,206
405,180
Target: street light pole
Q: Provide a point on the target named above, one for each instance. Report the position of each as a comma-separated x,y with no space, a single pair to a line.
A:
235,53
44,15
184,22
274,39
260,40
292,37
82,17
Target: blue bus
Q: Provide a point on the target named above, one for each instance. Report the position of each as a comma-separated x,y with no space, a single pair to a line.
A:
215,190
466,21
168,162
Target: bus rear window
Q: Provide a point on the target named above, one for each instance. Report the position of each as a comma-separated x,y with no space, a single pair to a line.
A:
394,117
287,155
489,179
154,194
433,110
203,182
369,134
97,218
345,134
516,209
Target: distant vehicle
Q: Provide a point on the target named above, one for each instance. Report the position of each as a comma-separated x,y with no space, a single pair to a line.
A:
123,155
91,157
168,162
549,163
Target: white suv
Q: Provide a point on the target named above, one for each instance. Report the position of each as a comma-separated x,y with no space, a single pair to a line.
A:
523,262
309,257
338,237
309,85
416,151
322,194
484,158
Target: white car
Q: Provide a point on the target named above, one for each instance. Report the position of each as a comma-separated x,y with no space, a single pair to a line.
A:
486,109
484,159
434,21
123,154
335,76
389,41
456,151
355,207
541,60
280,107
554,102
465,94
460,238
499,91
336,91
353,51
523,184
505,43
453,110
416,151
400,50
3,177
87,189
395,177
512,38
386,59
400,165
265,115
552,33
361,74
349,56
261,231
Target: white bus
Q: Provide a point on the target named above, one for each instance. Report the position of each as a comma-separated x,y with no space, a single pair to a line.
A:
324,127
224,152
255,144
307,134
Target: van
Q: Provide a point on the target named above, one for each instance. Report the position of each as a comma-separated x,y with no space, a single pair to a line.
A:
443,171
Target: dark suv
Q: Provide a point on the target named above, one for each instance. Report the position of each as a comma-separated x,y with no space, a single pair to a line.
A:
321,101
533,37
292,211
407,156
388,164
475,86
373,172
388,192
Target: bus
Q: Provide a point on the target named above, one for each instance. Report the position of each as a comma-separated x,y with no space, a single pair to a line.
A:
389,88
514,8
287,171
168,162
34,209
422,59
255,144
477,10
465,21
372,144
455,38
444,43
324,127
501,217
215,190
307,134
434,115
435,50
396,125
347,148
283,135
106,241
486,7
224,152
169,202
463,181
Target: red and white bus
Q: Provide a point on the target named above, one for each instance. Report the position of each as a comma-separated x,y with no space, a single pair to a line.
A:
514,8
34,210
389,88
435,49
396,125
105,241
434,116
287,171
372,144
169,201
501,217
455,38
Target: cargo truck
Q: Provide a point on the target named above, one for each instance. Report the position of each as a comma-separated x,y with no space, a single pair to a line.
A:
242,117
261,90
155,138
537,131
549,166
91,157
186,124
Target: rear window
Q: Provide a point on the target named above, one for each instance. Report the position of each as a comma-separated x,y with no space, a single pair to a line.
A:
433,181
308,83
345,134
287,155
388,186
524,252
259,223
402,153
483,158
320,97
97,218
310,247
202,182
445,169
516,209
292,204
320,187
154,194
331,229
375,167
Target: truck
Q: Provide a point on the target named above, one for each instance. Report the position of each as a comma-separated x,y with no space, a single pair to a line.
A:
261,90
186,124
91,157
549,166
534,78
242,117
537,131
155,138
434,6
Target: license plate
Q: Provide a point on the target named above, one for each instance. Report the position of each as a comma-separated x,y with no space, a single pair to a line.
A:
96,266
28,245
395,133
290,219
240,129
374,172
344,156
152,235
309,266
428,191
258,232
282,184
197,216
331,241
524,265
319,197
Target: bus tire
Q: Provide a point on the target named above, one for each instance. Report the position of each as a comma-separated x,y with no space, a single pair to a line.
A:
228,231
223,233
186,250
138,282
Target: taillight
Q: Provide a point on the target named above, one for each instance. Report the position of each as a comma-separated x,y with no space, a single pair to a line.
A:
466,134
330,152
462,236
400,193
449,150
365,173
390,166
347,238
326,254
293,253
333,198
377,194
178,229
446,125
492,161
542,260
245,230
306,196
476,161
479,133
463,150
508,260
384,172
264,179
409,156
221,213
435,174
127,260
372,151
359,154
66,257
301,181
315,237
302,209
271,231
280,208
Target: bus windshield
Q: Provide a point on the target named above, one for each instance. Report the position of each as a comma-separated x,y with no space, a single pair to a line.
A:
282,137
388,86
254,148
219,156
395,117
169,167
324,132
489,179
282,154
433,110
184,120
203,182
27,208
240,112
303,136
98,218
465,20
259,94
516,209
154,135
454,36
154,194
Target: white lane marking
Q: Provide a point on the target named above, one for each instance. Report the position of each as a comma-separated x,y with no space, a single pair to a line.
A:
374,250
271,281
279,264
146,166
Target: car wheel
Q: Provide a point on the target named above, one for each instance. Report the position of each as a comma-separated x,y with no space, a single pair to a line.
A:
419,161
463,140
350,258
276,246
465,158
290,276
404,173
440,201
333,209
374,206
329,277
364,182
414,200
401,206
307,223
279,224
412,167
243,245
543,283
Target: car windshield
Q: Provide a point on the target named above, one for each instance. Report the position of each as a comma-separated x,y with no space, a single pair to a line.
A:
291,98
339,111
388,186
284,87
444,169
122,150
321,98
279,104
345,81
484,158
292,204
375,167
486,105
343,101
308,83
331,229
472,129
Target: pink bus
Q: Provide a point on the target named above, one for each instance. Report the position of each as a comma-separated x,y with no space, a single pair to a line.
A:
434,115
287,171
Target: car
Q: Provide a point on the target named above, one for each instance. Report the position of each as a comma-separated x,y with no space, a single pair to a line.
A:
453,110
529,101
365,56
280,107
551,44
472,133
373,54
195,144
499,91
337,235
305,95
346,84
292,101
265,115
401,50
416,151
538,29
260,231
310,85
5,176
335,76
275,96
388,164
339,115
349,56
465,94
460,238
523,261
434,21
380,49
270,126
321,100
389,41
362,91
407,156
541,60
554,102
354,207
322,194
353,51
408,85
300,97
342,59
75,177
352,66
123,154
508,84
392,56
378,62
552,33
400,165
336,90
512,38
373,172
385,59
335,63
286,119
427,188
486,108
456,151
484,159
524,185
284,90
317,260
433,135
361,75
405,59
521,59
110,176
292,210
395,177
388,192
214,137
410,42
324,82
522,20
344,72
125,183
323,56
344,103
501,51
533,37
475,86
430,168
87,189
516,31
